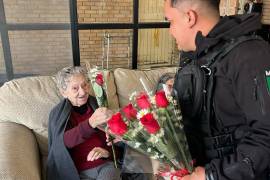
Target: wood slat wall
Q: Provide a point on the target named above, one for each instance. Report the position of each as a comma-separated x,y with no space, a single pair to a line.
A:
266,12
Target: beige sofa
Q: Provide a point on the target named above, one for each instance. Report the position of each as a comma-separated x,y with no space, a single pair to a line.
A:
24,108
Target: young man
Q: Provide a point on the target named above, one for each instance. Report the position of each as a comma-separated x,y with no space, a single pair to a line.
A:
237,143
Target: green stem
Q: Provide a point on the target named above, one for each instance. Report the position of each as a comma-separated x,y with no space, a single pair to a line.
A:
113,151
186,163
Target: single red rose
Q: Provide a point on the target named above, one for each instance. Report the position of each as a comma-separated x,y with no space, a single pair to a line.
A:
99,79
150,123
161,99
143,102
130,112
117,125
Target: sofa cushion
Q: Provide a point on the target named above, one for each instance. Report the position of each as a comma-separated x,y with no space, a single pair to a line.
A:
111,90
127,81
28,101
19,154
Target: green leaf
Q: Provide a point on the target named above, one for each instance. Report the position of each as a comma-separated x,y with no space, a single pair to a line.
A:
98,90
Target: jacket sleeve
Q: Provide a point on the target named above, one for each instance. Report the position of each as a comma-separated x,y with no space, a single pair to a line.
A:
51,125
252,93
78,134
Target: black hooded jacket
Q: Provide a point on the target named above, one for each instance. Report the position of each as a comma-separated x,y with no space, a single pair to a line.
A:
60,165
241,99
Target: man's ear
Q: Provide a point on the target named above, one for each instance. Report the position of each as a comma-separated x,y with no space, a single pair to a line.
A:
192,18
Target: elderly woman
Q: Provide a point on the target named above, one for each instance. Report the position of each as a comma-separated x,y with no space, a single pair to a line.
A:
77,149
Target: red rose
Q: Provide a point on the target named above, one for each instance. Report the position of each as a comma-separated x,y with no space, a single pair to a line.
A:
150,123
161,99
143,101
117,125
130,112
99,79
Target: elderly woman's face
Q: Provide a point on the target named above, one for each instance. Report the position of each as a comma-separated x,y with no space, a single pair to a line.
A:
77,90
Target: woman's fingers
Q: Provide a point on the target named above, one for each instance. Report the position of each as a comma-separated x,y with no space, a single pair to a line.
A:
100,116
90,155
93,154
97,153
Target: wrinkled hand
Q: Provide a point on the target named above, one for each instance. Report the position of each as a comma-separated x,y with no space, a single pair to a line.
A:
97,153
198,174
100,116
115,140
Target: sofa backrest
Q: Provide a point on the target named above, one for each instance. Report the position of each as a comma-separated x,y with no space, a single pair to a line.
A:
28,101
127,81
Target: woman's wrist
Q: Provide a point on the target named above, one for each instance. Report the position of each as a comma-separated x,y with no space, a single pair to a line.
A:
92,123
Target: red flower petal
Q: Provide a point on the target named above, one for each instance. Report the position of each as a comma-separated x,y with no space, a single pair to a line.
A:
161,99
143,101
150,123
117,125
130,112
99,79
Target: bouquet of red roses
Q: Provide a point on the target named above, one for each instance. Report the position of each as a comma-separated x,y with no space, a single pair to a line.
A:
152,124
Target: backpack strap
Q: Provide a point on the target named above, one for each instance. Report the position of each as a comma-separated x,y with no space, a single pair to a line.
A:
227,47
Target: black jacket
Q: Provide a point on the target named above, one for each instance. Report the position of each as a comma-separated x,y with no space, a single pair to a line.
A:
60,165
241,99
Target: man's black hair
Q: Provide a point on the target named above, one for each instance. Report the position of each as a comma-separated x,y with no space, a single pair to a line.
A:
213,3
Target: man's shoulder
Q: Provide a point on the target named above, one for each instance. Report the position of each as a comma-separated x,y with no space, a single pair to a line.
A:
248,57
250,51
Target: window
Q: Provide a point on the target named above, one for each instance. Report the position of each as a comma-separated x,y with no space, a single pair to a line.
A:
156,48
115,18
36,35
107,48
151,11
40,52
40,37
105,11
37,11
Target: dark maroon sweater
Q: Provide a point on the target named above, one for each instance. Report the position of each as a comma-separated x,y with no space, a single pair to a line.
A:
80,138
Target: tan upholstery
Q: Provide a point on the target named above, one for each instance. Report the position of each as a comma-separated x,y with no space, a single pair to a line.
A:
26,103
127,81
19,155
111,90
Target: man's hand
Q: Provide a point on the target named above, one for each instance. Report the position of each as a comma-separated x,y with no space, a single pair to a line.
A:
198,174
97,153
100,116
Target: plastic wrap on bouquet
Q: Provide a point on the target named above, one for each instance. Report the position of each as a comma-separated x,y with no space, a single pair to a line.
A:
99,86
152,125
96,78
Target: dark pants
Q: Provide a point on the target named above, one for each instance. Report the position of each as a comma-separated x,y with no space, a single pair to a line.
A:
105,171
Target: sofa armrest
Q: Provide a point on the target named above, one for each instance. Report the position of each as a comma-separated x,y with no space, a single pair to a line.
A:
19,155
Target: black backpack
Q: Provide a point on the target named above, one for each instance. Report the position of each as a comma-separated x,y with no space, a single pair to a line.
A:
193,82
194,87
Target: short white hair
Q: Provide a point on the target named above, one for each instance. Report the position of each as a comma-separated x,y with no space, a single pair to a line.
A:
63,76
